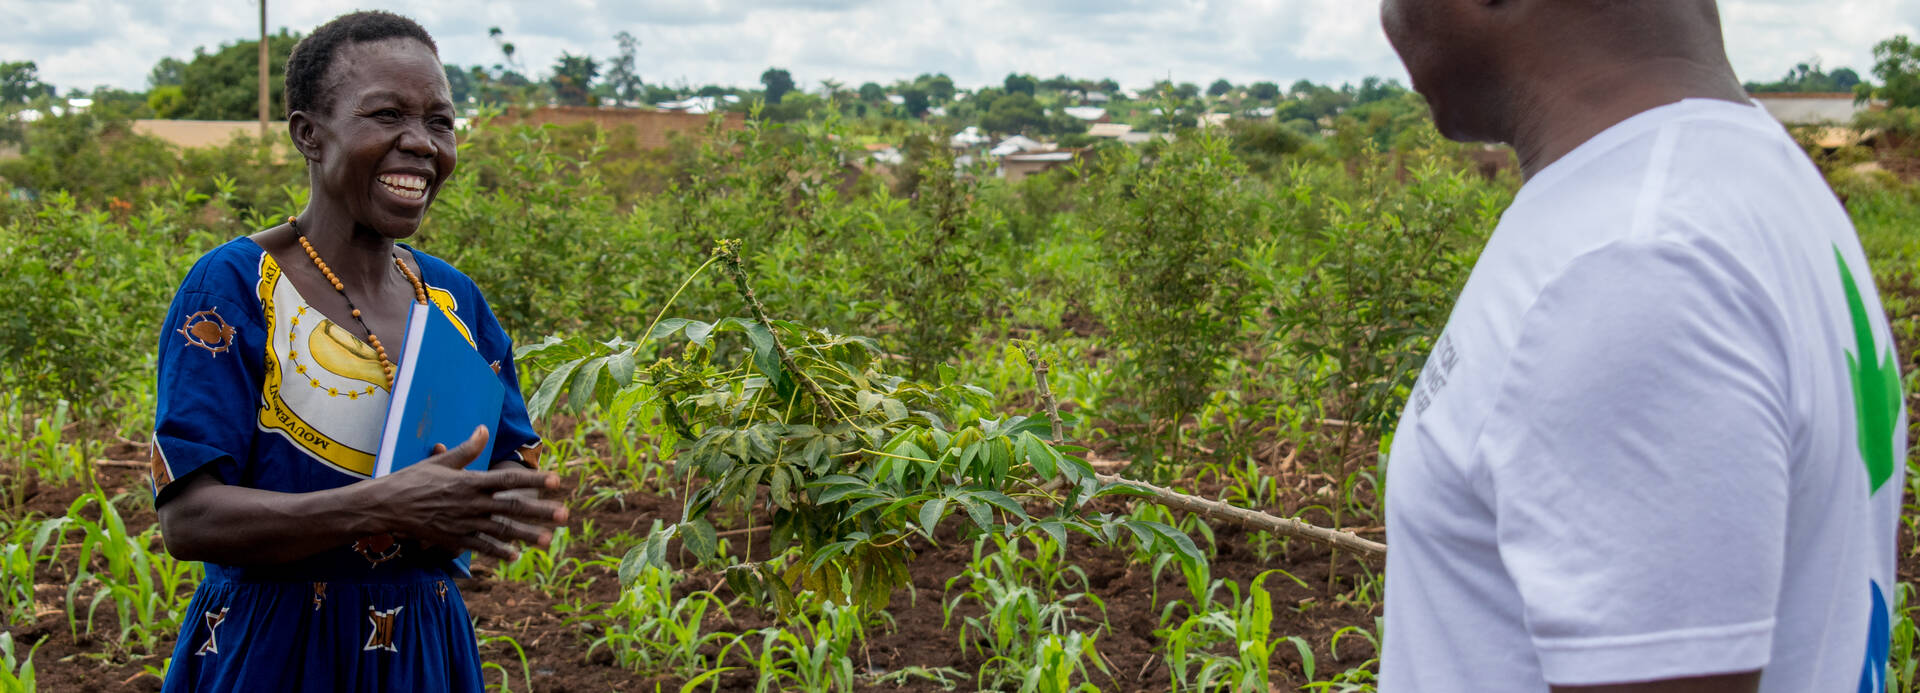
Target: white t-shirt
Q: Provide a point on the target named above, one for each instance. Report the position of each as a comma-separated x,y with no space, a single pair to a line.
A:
1662,435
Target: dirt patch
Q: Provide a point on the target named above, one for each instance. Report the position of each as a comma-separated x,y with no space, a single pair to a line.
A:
556,647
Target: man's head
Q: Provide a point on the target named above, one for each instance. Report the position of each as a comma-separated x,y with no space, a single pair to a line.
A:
1482,63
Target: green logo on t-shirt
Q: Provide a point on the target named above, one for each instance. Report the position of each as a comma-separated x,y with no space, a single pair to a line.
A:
1876,387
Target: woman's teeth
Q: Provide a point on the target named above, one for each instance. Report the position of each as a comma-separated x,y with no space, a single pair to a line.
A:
405,187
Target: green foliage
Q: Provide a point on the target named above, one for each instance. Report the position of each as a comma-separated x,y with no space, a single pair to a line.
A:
225,84
778,84
147,587
1025,630
572,79
1170,233
1014,113
1366,274
167,101
651,630
1244,629
1810,77
16,672
814,658
90,157
20,83
945,247
75,277
854,460
1897,65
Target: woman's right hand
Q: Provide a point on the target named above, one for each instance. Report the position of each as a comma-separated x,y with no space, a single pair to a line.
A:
440,502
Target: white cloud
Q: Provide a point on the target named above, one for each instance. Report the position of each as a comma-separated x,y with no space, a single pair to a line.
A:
82,43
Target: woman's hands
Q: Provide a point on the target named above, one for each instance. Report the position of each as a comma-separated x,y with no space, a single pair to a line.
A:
441,503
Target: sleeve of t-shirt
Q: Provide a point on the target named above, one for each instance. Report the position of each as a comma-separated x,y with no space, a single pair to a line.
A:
514,438
1638,454
206,404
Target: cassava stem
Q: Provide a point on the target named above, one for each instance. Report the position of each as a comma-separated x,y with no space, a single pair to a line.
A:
729,251
1209,509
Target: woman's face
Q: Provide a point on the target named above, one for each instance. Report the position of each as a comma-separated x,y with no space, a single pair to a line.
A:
386,144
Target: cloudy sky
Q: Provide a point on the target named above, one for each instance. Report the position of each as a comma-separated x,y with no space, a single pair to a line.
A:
84,43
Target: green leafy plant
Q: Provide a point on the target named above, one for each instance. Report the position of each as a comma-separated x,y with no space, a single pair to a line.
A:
1169,225
854,461
649,630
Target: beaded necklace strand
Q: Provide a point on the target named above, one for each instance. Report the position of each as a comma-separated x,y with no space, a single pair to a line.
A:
373,340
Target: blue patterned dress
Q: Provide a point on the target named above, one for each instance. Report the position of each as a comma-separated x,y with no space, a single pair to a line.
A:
262,391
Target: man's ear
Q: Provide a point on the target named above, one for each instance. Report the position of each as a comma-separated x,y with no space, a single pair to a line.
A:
305,131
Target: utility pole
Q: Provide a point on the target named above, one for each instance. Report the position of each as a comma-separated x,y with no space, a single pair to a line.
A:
263,71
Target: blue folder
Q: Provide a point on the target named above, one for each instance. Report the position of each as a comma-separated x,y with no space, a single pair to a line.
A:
442,390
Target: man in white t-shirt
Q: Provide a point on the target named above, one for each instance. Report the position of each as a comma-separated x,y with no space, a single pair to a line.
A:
1660,444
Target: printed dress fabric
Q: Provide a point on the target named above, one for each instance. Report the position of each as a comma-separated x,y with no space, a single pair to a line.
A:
259,390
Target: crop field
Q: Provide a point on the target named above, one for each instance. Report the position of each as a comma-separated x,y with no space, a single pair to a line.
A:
826,425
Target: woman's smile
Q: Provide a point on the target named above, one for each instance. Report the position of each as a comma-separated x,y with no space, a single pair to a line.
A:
410,189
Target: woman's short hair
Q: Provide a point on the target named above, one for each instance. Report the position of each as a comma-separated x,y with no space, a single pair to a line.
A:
306,83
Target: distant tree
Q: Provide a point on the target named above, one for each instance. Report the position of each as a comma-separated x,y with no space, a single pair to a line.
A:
506,47
1019,84
1897,64
572,79
916,101
459,82
1219,88
872,92
1060,83
1013,113
1844,79
1302,87
168,72
939,87
20,83
1376,89
1809,77
1187,91
622,75
1263,91
166,101
1109,86
225,84
777,82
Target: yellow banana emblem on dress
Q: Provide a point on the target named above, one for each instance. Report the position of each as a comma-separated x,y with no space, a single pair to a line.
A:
338,352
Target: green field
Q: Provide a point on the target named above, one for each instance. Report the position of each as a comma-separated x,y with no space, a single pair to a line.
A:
861,486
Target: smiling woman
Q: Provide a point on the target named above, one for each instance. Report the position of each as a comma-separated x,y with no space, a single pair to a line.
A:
273,386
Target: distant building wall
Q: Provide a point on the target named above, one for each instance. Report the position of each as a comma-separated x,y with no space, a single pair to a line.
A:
652,128
206,133
1811,109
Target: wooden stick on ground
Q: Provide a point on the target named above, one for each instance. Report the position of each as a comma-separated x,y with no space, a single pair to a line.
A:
1253,519
1209,509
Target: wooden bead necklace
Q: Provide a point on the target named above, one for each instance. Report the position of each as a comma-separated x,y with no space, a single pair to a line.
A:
373,340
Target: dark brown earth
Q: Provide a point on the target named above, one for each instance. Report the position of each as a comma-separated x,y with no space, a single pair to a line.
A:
556,650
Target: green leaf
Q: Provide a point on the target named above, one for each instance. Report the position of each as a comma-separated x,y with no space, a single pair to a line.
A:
894,409
981,513
667,327
584,382
845,491
699,539
697,332
1003,502
930,515
550,388
780,489
620,366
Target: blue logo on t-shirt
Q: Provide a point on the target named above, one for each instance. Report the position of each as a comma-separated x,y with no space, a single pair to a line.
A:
1873,678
